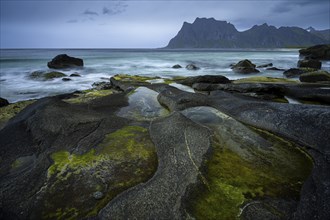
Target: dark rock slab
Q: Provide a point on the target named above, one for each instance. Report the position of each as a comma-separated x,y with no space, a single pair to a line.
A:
75,75
275,69
319,52
102,85
181,145
64,61
189,81
245,66
65,79
315,64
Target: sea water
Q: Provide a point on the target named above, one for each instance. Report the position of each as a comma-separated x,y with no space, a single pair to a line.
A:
101,64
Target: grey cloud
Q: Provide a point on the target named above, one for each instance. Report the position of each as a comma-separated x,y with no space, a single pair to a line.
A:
88,12
282,8
72,21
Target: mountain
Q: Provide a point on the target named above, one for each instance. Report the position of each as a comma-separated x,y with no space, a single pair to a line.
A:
324,34
210,33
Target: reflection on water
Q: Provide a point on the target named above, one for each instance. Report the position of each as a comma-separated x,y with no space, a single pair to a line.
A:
143,106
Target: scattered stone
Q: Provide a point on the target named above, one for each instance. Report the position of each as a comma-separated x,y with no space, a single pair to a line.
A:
245,66
318,52
75,75
66,79
64,61
192,67
37,74
98,195
265,65
317,76
3,102
189,81
177,66
275,69
316,64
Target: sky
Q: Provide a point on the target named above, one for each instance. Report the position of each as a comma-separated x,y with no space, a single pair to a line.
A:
140,24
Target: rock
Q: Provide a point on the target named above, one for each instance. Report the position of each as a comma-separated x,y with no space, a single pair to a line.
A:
177,66
192,67
275,69
102,85
180,150
3,102
318,52
42,75
316,76
265,65
245,66
75,75
63,61
98,195
294,72
66,79
189,81
315,64
52,75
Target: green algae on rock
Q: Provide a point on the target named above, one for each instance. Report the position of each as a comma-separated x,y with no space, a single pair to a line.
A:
246,165
88,95
9,111
123,159
264,79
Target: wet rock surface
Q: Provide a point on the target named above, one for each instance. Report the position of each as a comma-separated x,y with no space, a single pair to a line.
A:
244,66
319,52
137,147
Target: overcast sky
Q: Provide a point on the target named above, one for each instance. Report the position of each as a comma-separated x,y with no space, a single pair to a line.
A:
140,24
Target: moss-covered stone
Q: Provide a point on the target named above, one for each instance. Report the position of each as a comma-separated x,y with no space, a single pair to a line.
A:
133,78
123,159
264,79
53,74
88,95
246,164
9,111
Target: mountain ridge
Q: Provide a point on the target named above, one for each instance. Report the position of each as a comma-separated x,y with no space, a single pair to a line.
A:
211,33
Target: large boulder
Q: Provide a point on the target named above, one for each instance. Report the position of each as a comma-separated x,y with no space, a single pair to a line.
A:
316,64
319,52
245,66
3,102
316,76
64,61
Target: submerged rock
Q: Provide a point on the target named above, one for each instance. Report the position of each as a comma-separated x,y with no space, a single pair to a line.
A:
245,66
192,67
75,75
275,69
66,79
317,76
64,61
42,75
265,65
315,64
176,66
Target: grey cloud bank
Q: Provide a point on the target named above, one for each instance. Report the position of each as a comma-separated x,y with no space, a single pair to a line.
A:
139,24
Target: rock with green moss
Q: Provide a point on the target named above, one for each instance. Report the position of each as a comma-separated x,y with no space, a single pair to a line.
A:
3,102
9,111
296,72
264,79
42,75
318,76
246,166
87,96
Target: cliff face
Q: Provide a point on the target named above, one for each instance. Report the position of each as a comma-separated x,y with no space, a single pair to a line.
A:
210,33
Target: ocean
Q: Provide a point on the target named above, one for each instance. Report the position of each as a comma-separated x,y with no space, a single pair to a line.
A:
100,64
